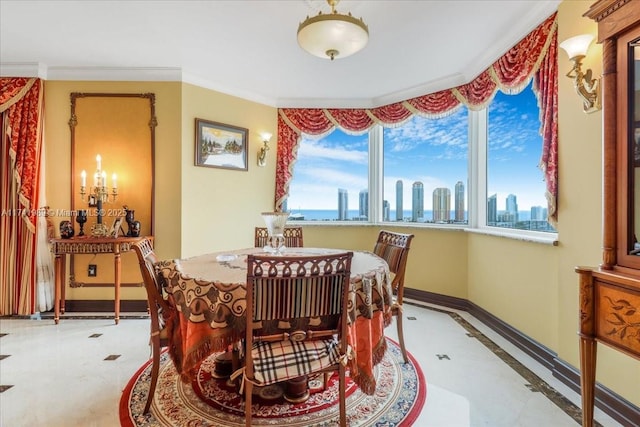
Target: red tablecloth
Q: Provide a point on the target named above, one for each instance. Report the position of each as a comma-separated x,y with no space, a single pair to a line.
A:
209,293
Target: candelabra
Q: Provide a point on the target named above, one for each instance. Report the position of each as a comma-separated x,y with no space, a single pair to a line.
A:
98,194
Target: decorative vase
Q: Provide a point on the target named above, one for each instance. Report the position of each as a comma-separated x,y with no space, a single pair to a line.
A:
275,222
134,229
129,216
66,229
81,218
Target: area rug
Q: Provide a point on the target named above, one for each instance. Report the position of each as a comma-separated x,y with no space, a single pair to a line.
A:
209,401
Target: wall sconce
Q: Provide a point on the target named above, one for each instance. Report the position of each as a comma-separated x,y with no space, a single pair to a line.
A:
262,154
587,88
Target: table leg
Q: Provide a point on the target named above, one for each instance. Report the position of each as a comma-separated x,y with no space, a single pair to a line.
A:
59,268
587,378
116,284
63,287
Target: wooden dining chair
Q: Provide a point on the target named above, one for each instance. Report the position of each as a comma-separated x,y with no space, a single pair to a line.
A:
394,249
159,310
292,237
295,290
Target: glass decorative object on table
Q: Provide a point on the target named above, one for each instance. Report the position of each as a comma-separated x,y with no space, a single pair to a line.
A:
275,222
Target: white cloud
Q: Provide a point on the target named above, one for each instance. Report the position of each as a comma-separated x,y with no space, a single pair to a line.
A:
311,149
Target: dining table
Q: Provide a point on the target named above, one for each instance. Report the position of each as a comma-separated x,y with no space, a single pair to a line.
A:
209,295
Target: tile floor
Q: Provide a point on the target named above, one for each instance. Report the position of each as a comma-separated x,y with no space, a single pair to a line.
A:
73,374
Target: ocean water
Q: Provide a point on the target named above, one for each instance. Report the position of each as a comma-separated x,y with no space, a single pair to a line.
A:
332,215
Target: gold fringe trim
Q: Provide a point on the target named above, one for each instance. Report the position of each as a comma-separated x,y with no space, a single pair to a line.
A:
19,95
206,347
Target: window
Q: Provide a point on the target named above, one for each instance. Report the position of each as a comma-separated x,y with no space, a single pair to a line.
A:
475,169
515,185
331,179
425,170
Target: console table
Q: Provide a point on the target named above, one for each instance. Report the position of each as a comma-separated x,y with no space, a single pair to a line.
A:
87,245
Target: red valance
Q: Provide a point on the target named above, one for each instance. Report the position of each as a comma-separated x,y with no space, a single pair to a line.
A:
534,57
21,100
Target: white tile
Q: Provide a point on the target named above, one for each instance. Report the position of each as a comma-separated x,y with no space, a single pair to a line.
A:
60,377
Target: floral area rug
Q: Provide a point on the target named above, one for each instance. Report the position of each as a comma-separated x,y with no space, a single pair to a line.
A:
209,401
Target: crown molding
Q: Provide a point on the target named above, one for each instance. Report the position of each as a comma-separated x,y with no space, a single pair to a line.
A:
38,69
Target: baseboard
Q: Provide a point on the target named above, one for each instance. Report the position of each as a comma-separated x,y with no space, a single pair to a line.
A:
100,306
612,404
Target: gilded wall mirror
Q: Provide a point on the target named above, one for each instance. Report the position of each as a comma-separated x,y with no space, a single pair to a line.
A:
112,178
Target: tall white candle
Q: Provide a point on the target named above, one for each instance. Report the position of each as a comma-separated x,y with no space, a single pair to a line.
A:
99,161
83,178
114,178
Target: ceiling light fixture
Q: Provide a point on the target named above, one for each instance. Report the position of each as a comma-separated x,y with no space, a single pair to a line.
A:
332,35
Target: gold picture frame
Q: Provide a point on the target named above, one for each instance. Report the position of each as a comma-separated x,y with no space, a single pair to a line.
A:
221,146
116,227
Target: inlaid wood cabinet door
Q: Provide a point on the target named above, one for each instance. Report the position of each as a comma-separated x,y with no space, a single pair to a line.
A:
618,316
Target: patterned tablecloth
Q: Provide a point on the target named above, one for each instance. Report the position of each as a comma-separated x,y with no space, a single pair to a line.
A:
209,293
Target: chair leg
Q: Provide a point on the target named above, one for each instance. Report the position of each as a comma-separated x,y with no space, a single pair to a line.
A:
155,369
343,396
248,391
327,377
401,337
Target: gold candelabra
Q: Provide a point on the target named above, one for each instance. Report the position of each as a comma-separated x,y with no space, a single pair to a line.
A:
98,194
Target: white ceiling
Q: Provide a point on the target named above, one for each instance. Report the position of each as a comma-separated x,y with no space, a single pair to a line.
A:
249,48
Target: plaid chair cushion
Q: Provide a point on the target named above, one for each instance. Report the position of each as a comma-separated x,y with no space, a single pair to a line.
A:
282,360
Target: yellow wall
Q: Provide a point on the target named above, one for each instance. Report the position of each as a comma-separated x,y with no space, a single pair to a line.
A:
580,163
167,151
197,209
531,286
220,207
437,261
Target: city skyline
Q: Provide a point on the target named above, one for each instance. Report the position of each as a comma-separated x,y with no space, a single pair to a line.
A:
443,209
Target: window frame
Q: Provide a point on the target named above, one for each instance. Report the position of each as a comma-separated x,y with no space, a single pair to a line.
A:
476,189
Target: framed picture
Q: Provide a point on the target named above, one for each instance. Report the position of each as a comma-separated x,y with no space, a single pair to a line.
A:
220,146
115,228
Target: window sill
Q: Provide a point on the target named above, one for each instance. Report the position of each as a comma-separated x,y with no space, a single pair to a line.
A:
522,235
535,237
332,223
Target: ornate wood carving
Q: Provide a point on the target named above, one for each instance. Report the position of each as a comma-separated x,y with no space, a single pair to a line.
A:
87,245
610,295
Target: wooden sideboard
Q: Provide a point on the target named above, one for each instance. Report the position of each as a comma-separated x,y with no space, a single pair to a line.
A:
87,245
610,314
610,294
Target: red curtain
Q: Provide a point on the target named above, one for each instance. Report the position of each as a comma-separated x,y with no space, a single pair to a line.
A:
21,104
534,57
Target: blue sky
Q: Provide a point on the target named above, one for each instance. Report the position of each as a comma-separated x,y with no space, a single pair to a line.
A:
431,151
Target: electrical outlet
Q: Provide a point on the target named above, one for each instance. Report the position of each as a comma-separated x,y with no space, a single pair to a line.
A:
93,270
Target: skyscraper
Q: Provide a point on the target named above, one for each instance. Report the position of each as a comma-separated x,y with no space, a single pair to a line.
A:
386,211
417,202
363,205
492,210
343,204
459,200
399,208
537,213
441,205
512,208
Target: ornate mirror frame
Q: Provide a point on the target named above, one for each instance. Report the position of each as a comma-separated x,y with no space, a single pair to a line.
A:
121,128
